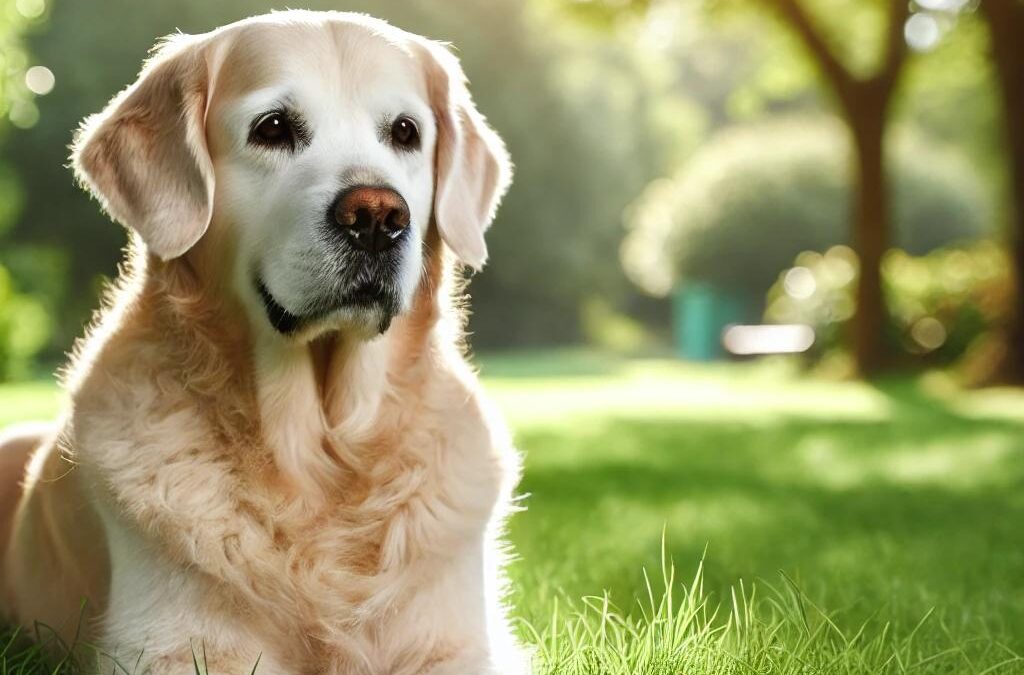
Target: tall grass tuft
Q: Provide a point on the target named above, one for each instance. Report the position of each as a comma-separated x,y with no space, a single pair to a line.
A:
680,630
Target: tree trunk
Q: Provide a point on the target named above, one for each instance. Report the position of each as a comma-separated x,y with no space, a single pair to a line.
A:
1005,19
1015,345
865,105
867,121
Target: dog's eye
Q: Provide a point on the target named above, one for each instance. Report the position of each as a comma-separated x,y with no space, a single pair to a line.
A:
404,133
272,129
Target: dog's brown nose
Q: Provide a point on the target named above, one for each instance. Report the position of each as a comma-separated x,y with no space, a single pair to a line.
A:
374,218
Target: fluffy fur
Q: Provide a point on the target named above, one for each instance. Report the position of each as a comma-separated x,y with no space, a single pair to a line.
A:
327,502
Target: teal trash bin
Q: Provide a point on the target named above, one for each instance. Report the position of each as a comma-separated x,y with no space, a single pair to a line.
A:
700,313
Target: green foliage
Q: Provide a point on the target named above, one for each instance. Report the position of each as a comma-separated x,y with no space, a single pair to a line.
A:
612,331
24,329
24,322
11,198
40,272
939,304
17,103
953,294
853,29
599,16
937,197
755,196
749,197
817,291
951,94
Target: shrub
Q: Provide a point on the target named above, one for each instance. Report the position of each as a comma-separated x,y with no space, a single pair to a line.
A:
754,197
24,329
938,303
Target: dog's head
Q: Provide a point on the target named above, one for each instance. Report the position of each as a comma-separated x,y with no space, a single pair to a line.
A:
303,156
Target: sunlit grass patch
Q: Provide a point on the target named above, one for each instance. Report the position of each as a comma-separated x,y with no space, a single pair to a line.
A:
665,388
768,629
28,401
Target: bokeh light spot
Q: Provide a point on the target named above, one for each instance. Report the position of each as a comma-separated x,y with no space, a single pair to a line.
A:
942,5
799,283
23,114
39,80
929,333
767,339
922,32
30,9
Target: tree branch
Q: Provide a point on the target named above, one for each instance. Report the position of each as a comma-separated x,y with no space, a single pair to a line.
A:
895,45
793,13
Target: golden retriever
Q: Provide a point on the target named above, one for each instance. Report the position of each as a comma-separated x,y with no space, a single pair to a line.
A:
275,448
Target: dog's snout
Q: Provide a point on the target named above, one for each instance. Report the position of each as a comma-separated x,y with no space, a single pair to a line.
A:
374,218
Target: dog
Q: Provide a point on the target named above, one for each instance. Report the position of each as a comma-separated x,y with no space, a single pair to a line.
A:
275,450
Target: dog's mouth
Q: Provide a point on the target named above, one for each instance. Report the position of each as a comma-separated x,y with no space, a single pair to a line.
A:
281,319
370,300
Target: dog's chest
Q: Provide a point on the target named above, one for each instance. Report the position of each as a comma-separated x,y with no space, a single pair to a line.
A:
364,565
404,507
389,533
377,553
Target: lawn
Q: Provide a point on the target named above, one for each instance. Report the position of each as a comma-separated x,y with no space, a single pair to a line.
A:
28,401
843,527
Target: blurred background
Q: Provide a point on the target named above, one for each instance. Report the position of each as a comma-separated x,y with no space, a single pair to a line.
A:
701,187
683,166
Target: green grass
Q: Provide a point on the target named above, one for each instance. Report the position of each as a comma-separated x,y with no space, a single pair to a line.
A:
880,502
843,527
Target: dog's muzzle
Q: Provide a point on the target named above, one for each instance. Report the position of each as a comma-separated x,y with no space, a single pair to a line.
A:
366,224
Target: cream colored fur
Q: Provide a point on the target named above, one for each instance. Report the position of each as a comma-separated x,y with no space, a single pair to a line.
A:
330,502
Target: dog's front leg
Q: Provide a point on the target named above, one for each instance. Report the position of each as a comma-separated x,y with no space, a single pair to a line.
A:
164,619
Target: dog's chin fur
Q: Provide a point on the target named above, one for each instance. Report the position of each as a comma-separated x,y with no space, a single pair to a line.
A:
361,318
353,323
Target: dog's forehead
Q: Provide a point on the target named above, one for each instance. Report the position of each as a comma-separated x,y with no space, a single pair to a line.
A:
330,58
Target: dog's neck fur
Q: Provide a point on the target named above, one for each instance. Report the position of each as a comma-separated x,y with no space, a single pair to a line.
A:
316,403
329,393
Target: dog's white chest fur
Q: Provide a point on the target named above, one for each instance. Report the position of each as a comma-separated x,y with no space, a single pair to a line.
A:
388,573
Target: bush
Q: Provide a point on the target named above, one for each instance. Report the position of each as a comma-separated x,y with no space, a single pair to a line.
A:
24,329
754,197
939,304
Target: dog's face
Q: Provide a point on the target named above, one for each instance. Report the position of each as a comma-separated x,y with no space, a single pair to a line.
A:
305,156
324,162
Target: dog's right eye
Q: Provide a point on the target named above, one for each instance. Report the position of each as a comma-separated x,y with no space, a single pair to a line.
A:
272,130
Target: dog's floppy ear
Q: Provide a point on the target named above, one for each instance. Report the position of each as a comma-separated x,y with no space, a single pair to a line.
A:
473,168
145,156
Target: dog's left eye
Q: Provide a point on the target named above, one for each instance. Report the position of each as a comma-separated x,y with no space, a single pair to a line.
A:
405,134
272,129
